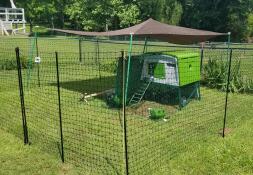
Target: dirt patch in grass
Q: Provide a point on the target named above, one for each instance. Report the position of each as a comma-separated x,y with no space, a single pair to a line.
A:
226,131
142,108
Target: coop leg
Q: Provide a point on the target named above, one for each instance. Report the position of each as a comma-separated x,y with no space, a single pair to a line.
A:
198,91
180,98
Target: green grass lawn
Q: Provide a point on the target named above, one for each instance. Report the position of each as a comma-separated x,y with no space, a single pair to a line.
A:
187,143
16,159
232,155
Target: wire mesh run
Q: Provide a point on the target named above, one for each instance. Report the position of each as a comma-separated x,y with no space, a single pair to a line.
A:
10,110
78,92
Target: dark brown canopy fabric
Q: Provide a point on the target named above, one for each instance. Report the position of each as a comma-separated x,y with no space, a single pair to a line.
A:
154,29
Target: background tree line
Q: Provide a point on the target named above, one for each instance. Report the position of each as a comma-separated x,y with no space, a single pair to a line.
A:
101,15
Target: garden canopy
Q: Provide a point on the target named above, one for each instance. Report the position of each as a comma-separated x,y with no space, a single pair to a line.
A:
157,30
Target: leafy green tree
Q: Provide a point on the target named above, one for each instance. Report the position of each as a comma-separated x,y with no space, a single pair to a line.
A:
250,24
218,15
171,11
238,13
128,15
168,11
97,15
37,12
101,15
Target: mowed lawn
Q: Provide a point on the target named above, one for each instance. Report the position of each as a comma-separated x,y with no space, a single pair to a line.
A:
189,142
16,159
232,155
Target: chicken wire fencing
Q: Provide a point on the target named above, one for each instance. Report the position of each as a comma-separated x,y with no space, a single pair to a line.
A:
95,107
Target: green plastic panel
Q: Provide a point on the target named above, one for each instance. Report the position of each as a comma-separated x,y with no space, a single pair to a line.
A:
188,66
159,71
189,70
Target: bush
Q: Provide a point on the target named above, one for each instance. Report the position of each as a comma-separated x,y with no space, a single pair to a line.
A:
216,72
109,67
12,64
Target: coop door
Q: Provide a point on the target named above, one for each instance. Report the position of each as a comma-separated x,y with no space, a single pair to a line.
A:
171,74
157,70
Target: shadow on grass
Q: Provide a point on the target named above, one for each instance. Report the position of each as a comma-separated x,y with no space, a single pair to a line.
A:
89,86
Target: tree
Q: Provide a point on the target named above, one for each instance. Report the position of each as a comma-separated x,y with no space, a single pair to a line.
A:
250,24
128,15
238,13
96,15
168,11
100,15
217,15
38,12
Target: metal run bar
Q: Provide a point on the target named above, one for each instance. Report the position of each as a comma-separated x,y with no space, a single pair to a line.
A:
30,60
22,100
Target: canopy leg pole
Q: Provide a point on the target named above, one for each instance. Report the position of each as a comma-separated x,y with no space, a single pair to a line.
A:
180,98
129,63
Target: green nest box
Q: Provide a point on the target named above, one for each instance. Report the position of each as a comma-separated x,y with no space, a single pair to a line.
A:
156,113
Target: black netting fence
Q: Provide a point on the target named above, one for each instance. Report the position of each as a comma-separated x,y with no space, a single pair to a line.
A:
92,106
10,110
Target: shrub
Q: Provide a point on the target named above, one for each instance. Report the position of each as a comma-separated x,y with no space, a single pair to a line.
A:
12,64
109,67
216,72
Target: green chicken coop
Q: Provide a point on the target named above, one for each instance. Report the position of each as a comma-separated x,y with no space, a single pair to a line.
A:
165,77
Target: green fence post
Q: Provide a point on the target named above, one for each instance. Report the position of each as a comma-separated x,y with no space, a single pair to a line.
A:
37,55
97,58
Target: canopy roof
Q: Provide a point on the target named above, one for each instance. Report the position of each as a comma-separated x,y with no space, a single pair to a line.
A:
155,29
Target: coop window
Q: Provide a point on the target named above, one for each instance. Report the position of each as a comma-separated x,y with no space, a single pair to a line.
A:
157,70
